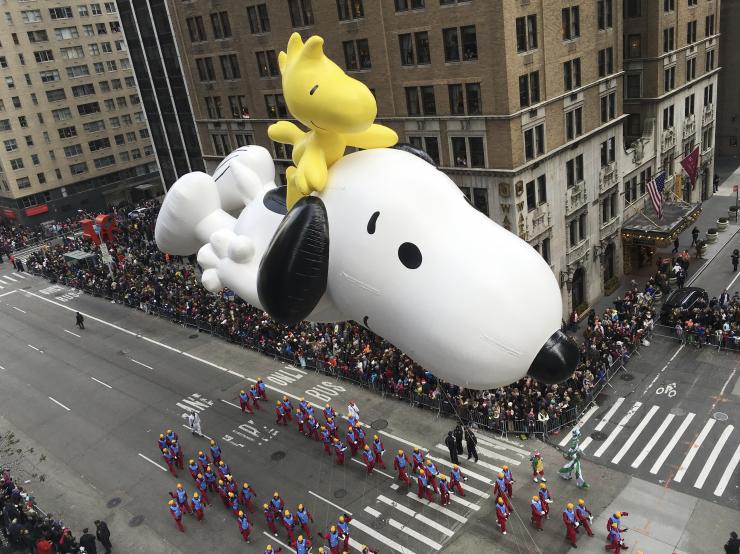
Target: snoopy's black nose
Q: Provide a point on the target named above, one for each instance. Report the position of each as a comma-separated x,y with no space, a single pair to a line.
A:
556,360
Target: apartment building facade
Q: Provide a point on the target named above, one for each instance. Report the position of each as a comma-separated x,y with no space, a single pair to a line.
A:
728,126
73,132
518,101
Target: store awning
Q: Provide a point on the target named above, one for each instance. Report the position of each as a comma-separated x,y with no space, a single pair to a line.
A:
78,256
645,228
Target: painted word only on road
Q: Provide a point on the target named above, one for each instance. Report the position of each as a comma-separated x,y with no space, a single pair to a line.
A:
286,376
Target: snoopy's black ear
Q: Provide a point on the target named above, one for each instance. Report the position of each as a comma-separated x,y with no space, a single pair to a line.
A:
294,270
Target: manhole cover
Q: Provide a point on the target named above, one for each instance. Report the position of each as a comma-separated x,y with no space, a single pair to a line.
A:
720,416
277,455
136,521
193,336
113,502
340,493
626,376
379,424
122,352
598,436
678,412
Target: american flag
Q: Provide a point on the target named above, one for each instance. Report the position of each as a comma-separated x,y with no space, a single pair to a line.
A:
655,189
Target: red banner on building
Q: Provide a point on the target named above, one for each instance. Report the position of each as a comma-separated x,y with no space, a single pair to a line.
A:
690,164
36,210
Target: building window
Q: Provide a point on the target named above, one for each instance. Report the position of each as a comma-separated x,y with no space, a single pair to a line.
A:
574,170
633,8
534,141
608,151
430,145
357,54
536,192
350,9
405,5
267,64
55,95
668,114
645,176
205,69
60,13
526,33
691,69
196,29
458,99
275,104
709,61
708,95
23,183
73,151
104,161
31,16
468,151
230,67
691,32
220,25
669,78
573,123
66,33
709,26
213,106
221,143
688,105
571,23
692,3
669,39
77,71
604,14
10,144
706,138
16,164
37,36
425,106
301,13
669,5
238,106
529,89
43,56
606,62
454,38
572,74
243,139
282,151
634,85
633,46
414,48
89,108
608,107
259,20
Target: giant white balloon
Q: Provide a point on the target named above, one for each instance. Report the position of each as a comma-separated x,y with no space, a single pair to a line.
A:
391,243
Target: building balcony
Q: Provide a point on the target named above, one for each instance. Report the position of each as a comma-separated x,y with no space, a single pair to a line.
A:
608,176
609,228
669,139
575,197
708,114
577,252
689,127
537,222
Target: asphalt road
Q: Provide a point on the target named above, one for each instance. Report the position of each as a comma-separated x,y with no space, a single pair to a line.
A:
717,275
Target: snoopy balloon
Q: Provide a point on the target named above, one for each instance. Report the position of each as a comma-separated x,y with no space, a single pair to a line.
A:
390,242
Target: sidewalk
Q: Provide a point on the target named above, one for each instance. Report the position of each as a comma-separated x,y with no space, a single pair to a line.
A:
717,206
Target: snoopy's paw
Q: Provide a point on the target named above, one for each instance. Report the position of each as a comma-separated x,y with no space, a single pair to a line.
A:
229,261
241,249
211,280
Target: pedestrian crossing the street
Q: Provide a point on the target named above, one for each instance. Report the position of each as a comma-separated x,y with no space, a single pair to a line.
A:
682,450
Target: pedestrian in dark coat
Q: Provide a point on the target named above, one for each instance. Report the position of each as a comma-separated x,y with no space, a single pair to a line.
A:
103,534
88,541
471,441
459,438
735,257
452,447
80,321
694,235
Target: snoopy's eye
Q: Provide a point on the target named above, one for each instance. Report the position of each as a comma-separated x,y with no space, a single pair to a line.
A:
313,89
410,255
371,223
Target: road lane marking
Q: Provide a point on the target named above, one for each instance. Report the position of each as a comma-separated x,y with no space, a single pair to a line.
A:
9,277
721,392
409,512
17,308
138,362
71,333
635,434
153,462
277,540
381,538
472,506
672,443
728,287
683,468
719,445
603,422
2,288
441,509
329,502
101,382
7,293
729,470
591,411
32,346
653,440
618,429
57,402
230,403
663,369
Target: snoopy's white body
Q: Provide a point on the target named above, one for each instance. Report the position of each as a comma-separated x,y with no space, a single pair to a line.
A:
477,309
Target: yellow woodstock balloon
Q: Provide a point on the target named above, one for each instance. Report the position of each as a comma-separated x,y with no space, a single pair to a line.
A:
338,110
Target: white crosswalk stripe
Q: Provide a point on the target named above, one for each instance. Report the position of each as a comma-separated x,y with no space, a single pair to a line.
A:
718,446
501,445
636,433
603,422
465,471
591,411
436,507
618,429
20,275
729,470
379,537
9,278
653,441
672,443
411,513
693,450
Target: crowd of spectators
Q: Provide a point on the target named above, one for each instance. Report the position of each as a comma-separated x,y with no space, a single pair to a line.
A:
25,527
143,277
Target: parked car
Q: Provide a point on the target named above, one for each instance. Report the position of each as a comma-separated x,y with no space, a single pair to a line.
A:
685,298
